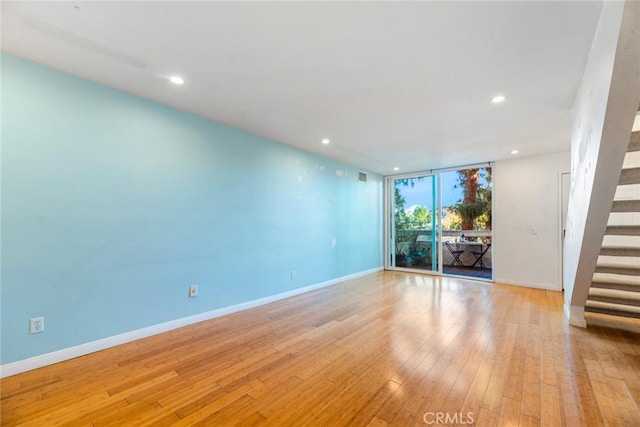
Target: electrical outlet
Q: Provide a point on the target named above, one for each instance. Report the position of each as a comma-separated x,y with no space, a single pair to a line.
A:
36,324
193,291
293,275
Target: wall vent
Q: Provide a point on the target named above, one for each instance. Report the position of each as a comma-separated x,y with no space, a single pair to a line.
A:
362,177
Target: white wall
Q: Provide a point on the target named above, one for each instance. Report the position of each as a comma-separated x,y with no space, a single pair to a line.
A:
526,228
603,112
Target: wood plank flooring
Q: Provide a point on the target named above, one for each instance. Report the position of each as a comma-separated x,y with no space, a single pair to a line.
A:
390,349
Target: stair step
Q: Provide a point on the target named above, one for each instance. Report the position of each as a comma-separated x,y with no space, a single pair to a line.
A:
623,230
612,306
629,176
616,295
626,287
619,251
614,300
625,206
634,143
632,296
612,312
627,270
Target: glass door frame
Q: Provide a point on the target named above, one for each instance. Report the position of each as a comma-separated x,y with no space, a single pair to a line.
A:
389,222
389,228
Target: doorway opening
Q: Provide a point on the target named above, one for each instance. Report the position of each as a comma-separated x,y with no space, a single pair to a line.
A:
441,222
414,223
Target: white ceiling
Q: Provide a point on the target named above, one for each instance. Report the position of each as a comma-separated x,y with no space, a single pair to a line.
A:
405,84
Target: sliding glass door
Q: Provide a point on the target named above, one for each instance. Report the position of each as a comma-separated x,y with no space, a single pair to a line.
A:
413,235
466,222
441,222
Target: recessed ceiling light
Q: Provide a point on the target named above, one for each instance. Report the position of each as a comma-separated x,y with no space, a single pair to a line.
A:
396,168
176,80
325,141
498,99
514,151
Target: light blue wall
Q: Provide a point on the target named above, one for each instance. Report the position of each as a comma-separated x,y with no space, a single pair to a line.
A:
112,205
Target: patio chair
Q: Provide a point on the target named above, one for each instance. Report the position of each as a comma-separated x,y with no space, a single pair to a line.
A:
456,255
479,255
423,249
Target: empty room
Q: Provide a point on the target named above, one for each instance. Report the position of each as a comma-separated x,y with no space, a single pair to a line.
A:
320,213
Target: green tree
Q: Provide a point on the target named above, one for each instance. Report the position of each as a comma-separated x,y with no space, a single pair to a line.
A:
421,217
451,218
484,221
417,219
402,220
475,208
400,216
468,208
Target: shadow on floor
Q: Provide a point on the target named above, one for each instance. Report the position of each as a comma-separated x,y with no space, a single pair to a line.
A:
470,272
476,273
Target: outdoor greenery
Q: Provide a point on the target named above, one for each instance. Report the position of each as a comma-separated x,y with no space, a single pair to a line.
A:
418,218
472,212
415,219
475,206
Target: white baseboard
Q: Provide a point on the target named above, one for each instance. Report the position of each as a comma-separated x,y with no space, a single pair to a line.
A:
545,286
24,365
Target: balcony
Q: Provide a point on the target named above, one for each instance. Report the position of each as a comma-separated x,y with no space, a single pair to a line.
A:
414,251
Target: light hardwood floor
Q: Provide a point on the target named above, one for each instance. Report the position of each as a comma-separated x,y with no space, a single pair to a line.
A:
388,349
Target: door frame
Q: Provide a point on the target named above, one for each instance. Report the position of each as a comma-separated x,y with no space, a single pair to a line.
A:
389,229
389,226
564,201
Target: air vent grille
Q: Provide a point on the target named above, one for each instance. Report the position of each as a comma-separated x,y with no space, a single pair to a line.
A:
362,177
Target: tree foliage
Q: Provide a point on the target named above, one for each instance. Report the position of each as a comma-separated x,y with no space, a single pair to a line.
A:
475,207
472,212
451,219
415,219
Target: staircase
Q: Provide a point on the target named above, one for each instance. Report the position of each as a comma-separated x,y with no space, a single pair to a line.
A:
615,288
